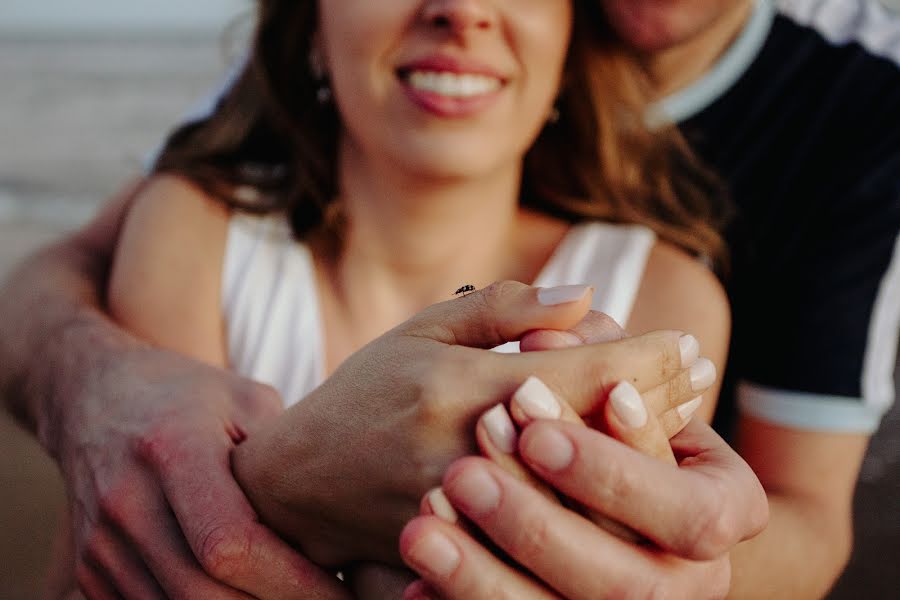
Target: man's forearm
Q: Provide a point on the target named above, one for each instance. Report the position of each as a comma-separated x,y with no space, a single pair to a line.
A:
799,555
43,303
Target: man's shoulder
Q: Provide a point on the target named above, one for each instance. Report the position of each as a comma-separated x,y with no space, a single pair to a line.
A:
810,116
801,74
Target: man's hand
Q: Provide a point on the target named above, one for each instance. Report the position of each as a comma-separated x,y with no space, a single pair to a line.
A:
695,513
142,437
144,449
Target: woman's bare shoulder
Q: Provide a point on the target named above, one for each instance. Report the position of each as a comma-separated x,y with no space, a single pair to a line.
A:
166,276
175,199
679,292
670,269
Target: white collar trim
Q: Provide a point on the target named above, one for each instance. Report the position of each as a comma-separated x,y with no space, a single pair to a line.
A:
733,63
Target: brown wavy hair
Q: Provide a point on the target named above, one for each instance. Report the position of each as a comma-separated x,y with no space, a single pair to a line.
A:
270,145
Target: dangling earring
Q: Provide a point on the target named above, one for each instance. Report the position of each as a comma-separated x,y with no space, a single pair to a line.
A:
554,116
317,68
323,94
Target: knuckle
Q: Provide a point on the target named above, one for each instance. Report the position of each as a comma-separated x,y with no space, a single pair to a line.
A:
451,367
758,514
620,483
649,585
669,352
658,588
155,447
602,322
532,541
496,590
94,546
114,506
495,292
264,399
225,552
710,532
674,390
84,578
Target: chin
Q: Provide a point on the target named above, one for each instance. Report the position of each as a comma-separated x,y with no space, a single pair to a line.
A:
449,157
447,166
654,25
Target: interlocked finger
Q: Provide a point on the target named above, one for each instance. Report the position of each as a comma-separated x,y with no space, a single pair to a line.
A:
460,568
584,375
123,567
683,387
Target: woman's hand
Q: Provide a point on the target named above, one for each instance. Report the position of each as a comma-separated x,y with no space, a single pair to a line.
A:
694,513
626,417
341,472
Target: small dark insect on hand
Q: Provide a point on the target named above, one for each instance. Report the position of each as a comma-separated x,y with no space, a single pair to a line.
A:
464,290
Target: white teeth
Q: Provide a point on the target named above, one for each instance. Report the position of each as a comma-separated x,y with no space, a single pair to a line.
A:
453,85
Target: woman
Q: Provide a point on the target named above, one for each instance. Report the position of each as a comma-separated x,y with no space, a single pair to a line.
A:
398,151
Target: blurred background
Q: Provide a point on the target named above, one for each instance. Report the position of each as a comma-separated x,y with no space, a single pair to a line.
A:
89,89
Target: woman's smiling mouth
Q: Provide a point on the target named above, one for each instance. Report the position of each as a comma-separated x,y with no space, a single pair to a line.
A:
448,87
453,85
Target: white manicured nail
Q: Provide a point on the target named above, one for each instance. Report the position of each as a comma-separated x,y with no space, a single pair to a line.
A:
629,406
441,507
536,400
500,429
435,554
688,409
703,374
560,295
690,350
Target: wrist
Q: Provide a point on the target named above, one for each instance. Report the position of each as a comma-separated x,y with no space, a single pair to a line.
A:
278,491
76,357
56,288
274,468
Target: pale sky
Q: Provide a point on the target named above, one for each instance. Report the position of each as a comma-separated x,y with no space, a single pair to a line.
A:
73,16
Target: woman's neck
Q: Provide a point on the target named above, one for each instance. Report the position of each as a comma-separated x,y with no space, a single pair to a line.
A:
411,241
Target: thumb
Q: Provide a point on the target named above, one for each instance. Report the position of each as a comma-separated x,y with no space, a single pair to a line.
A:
500,313
595,328
628,420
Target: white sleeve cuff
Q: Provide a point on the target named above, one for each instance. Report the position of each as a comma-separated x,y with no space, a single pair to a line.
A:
813,412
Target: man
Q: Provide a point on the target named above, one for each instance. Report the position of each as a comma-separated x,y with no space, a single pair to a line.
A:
801,131
806,136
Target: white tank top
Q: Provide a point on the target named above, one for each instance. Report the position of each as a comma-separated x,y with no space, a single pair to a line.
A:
271,308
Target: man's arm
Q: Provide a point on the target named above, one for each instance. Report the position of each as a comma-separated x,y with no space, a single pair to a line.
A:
106,406
809,478
56,292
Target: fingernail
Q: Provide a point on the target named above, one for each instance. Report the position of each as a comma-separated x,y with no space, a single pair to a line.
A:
703,374
560,295
548,448
500,429
418,590
567,338
440,506
476,492
536,400
690,350
435,553
688,409
628,405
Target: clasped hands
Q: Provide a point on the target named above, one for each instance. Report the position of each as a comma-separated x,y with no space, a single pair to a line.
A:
429,380
152,449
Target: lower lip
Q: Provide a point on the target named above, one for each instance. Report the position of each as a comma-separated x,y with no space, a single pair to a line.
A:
450,107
